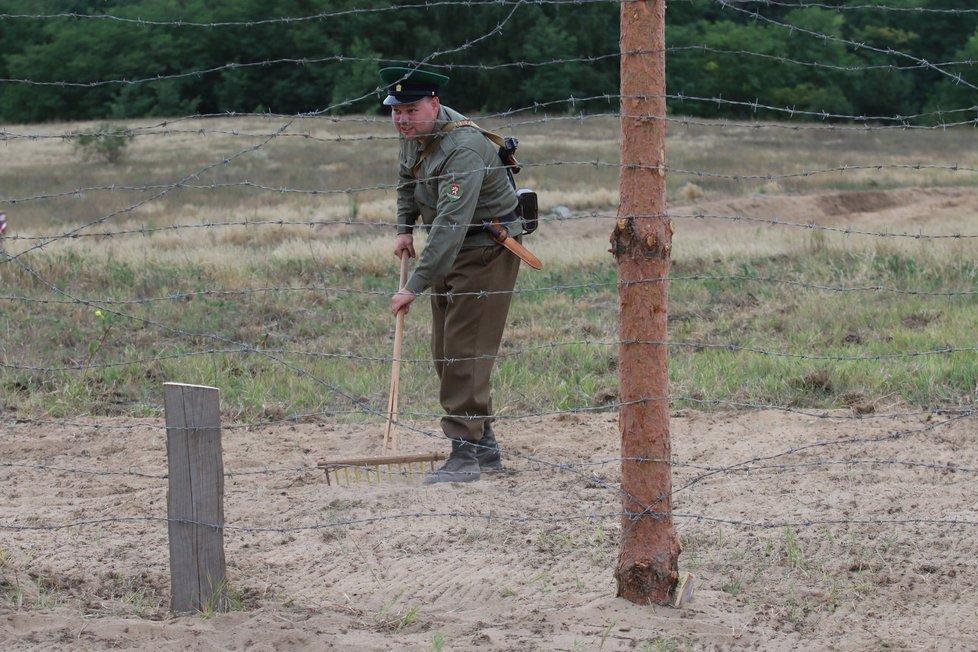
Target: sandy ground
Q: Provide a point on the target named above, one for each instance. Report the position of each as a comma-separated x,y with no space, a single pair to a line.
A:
801,530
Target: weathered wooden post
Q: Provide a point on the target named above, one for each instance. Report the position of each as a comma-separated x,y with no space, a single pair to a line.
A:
648,561
195,501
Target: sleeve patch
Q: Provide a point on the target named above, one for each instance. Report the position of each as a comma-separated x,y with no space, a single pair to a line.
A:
453,192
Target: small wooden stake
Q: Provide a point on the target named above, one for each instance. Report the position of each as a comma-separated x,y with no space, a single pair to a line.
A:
195,500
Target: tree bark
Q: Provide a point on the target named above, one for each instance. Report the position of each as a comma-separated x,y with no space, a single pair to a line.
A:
648,561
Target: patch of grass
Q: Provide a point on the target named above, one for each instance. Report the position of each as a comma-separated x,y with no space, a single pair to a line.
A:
107,144
224,598
438,642
11,591
793,551
734,586
606,632
388,620
136,594
409,617
684,644
812,355
544,580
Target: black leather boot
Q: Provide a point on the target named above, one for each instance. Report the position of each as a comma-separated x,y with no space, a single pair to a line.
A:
461,466
487,450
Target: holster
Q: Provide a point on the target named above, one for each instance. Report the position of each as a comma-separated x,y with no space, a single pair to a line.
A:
528,210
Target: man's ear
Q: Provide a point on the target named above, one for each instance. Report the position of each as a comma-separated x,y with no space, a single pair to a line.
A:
436,102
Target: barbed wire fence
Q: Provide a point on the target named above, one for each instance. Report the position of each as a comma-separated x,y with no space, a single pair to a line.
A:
153,312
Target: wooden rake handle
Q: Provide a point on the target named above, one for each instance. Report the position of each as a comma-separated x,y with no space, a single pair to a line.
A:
390,433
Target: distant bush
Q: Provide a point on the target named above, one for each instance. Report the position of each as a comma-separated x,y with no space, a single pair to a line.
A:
107,144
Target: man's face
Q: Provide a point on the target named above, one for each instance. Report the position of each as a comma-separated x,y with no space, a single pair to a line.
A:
417,119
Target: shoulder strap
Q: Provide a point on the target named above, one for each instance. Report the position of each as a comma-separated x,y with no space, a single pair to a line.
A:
496,138
430,146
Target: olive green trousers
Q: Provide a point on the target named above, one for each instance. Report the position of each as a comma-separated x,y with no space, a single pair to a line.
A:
469,309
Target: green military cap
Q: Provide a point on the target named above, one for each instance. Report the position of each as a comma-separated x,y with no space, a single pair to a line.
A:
407,85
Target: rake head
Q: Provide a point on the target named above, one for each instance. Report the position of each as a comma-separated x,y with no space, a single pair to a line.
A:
378,469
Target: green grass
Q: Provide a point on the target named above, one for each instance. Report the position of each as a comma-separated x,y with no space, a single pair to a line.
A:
750,333
291,318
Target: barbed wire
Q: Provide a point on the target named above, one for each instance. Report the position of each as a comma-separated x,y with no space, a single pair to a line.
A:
536,464
513,353
163,130
434,4
493,516
229,159
25,466
943,467
165,190
406,417
161,189
708,472
861,67
748,467
842,230
650,509
278,356
958,79
755,105
752,464
863,123
340,13
356,401
593,286
804,4
482,67
866,123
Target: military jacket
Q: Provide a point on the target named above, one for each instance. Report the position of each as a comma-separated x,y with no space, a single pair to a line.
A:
460,183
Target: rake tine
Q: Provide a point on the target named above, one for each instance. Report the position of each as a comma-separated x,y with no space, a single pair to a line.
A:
373,467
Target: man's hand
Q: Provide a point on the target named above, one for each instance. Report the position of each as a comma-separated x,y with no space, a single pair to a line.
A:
404,242
402,301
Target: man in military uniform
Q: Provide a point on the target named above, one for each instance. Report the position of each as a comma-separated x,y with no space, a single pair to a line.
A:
451,177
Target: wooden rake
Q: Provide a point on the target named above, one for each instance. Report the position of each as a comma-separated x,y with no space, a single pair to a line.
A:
390,432
375,469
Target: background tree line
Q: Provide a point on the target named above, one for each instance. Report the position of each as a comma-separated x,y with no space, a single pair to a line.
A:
116,59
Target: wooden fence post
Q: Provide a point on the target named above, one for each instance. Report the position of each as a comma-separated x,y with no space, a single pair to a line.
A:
195,500
648,561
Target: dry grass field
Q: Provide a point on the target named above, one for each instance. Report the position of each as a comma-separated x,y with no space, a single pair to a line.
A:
824,383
